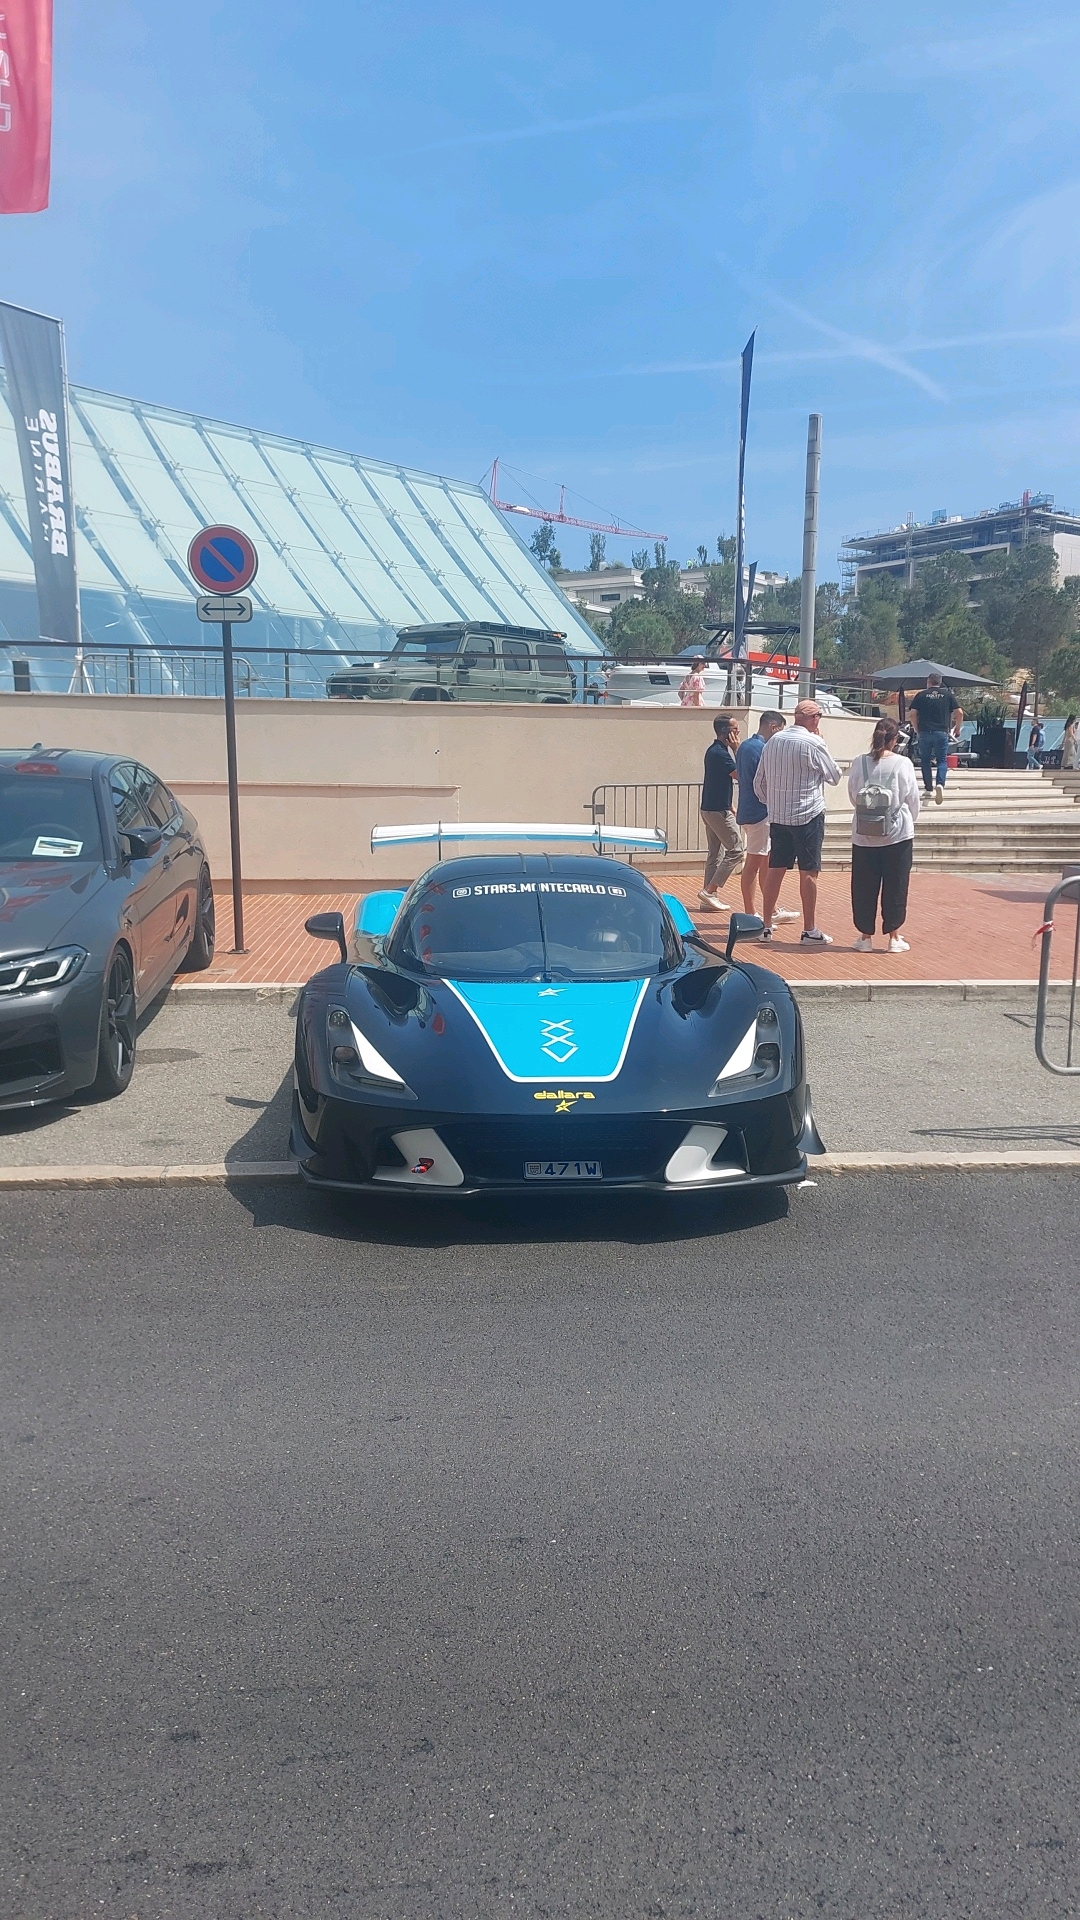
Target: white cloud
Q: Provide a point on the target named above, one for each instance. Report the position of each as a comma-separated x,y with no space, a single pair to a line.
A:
675,107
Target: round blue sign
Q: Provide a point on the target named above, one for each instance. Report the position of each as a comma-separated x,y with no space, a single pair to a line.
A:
222,560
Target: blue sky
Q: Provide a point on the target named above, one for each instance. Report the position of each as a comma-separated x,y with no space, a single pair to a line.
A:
438,234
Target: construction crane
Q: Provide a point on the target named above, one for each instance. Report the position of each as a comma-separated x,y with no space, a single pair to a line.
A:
564,519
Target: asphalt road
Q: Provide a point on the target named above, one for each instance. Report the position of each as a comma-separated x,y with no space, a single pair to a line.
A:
212,1083
568,1561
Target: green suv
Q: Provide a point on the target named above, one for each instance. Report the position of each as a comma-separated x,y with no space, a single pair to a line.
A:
468,660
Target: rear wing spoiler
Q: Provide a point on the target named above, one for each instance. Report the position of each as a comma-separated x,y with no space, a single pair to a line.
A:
442,833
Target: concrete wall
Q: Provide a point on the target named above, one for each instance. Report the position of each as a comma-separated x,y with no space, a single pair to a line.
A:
317,776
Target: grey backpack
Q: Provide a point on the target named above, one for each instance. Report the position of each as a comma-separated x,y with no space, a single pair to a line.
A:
876,806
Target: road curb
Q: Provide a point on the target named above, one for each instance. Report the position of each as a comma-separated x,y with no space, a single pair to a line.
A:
217,1173
231,991
283,993
214,1173
886,1162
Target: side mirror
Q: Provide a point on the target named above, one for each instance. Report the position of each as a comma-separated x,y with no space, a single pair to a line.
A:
140,846
328,926
743,926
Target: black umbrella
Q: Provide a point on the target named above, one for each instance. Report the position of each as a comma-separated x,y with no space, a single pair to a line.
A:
915,673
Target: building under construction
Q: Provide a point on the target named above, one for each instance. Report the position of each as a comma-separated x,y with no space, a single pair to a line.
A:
901,551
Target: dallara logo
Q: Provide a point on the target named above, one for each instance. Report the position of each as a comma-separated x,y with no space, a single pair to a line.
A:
557,1041
564,1097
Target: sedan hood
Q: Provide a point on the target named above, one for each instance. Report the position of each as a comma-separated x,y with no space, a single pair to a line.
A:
38,902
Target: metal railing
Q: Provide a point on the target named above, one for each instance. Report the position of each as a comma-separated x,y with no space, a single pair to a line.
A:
1066,892
673,806
269,673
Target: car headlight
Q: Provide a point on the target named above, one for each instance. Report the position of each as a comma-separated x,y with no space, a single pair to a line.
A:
352,1054
756,1058
31,972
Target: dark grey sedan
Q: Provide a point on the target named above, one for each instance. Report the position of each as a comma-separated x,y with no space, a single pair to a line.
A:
105,892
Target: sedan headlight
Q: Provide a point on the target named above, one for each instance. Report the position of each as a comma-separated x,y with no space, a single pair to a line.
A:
756,1058
31,972
352,1054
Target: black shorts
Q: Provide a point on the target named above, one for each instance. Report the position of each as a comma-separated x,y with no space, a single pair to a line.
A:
803,844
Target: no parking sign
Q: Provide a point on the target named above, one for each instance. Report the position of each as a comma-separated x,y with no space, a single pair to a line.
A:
222,560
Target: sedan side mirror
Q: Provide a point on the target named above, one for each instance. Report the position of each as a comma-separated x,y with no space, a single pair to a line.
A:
328,926
140,846
743,926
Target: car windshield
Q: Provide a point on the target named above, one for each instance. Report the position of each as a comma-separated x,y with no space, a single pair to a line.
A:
432,646
513,928
45,815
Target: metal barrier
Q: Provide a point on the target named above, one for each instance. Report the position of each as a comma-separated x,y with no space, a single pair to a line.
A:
1067,891
192,675
673,806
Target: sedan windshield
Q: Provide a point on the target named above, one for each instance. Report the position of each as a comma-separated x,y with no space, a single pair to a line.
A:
47,816
518,929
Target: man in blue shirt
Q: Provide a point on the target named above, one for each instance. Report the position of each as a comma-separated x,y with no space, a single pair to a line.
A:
752,814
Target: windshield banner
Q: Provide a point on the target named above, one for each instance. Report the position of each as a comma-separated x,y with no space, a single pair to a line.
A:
33,350
25,104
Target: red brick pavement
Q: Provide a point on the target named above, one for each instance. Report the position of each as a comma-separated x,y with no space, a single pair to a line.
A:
959,930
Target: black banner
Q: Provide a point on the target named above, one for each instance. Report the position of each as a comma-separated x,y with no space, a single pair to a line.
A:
37,392
738,649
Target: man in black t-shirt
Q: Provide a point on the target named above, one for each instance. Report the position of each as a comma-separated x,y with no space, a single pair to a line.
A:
937,713
717,816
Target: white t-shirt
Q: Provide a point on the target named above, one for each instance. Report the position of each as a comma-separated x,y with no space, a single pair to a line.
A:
892,770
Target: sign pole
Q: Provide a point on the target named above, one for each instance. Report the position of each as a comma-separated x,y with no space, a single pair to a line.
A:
234,796
223,561
809,556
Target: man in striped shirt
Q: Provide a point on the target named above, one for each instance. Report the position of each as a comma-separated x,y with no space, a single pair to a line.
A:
795,768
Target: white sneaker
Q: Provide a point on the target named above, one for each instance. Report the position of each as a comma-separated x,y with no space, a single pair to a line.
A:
815,938
939,795
896,945
784,913
864,944
713,900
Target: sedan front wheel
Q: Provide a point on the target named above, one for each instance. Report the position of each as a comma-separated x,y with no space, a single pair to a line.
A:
116,1045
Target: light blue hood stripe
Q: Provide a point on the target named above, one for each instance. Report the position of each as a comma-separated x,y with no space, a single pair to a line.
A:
567,1031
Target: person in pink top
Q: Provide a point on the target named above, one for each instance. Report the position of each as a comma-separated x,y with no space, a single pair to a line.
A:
692,689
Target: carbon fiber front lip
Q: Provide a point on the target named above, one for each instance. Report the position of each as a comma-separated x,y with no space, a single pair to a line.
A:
399,1190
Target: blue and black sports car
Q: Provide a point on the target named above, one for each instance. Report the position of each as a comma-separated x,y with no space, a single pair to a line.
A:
520,1018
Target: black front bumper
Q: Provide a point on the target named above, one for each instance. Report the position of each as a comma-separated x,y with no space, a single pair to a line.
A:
341,1144
49,1041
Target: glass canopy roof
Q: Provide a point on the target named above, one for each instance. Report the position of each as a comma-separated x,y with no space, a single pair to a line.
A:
350,549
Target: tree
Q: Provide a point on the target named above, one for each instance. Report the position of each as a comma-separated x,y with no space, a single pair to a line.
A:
703,556
1026,612
639,557
597,551
828,609
727,546
1063,674
937,622
869,630
638,631
543,545
719,607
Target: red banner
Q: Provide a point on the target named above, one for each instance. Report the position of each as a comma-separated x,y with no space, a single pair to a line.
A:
25,104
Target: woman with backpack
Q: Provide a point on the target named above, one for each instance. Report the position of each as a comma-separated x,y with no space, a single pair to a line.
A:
885,795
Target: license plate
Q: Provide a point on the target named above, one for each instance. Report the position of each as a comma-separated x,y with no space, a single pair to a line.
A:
563,1170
